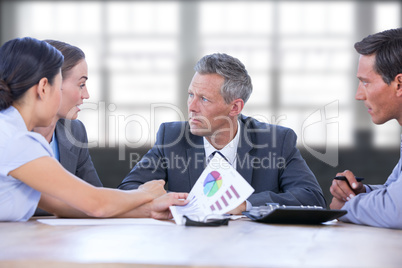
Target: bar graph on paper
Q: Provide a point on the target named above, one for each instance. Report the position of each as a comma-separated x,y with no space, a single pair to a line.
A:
222,202
218,190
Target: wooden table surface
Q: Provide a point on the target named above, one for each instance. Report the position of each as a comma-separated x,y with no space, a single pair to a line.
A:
241,244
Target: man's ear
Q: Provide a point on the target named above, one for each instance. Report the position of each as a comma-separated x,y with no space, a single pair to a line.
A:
398,80
237,107
43,89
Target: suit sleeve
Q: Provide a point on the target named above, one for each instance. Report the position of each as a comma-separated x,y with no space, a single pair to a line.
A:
85,167
297,184
152,166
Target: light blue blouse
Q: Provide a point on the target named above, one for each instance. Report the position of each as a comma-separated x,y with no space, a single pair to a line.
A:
18,146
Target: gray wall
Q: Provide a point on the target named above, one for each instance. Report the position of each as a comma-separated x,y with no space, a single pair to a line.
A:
374,165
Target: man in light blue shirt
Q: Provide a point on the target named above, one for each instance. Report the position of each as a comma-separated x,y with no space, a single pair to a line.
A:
380,87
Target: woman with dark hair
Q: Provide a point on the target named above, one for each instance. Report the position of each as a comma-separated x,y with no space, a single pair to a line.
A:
30,92
67,136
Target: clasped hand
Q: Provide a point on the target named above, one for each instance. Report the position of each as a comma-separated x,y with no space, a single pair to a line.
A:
343,191
161,201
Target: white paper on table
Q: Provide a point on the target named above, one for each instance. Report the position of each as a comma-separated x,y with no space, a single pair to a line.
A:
219,189
113,221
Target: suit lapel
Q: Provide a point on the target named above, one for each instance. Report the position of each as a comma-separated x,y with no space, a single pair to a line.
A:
67,157
195,157
244,164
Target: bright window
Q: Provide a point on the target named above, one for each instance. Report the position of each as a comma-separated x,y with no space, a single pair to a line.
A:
299,54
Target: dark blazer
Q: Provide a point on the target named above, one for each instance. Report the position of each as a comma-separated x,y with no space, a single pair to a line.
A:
73,149
267,158
74,154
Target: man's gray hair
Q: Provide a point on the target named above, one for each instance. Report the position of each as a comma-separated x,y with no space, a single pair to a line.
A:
237,83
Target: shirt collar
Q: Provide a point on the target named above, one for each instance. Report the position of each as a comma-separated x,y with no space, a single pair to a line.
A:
54,144
13,113
229,151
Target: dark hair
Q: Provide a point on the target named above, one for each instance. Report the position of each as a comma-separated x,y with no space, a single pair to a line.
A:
72,55
387,48
23,63
237,83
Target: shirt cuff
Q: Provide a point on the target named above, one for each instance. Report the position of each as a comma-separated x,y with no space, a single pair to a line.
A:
248,206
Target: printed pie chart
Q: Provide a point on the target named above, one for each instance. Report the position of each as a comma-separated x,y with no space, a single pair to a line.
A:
212,183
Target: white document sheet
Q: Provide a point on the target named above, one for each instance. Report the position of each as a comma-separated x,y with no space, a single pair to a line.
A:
219,189
113,221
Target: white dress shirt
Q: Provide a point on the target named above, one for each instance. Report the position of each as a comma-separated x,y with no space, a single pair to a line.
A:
229,152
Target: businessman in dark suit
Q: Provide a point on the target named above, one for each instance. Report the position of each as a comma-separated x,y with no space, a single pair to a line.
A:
265,155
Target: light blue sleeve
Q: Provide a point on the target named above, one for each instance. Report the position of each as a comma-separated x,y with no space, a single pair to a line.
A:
21,149
18,200
381,207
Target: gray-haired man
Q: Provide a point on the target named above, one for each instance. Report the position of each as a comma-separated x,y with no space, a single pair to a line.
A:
265,155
